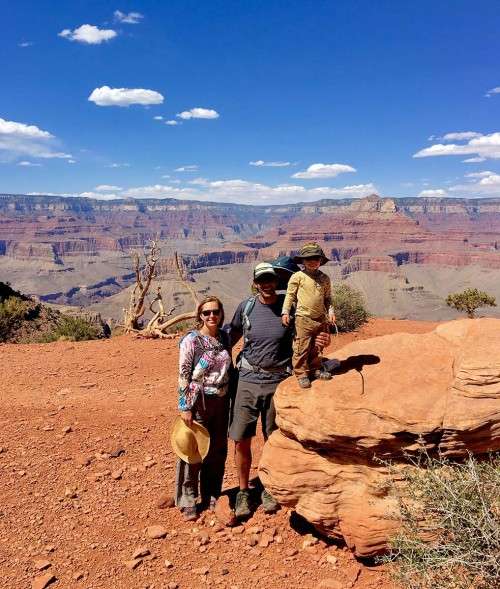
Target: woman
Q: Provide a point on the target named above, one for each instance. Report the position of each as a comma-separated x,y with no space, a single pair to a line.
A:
204,365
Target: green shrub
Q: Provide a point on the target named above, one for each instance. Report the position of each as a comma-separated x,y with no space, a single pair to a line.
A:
13,311
470,300
450,534
349,307
74,329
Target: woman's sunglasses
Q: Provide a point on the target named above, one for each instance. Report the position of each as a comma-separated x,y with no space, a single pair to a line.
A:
215,312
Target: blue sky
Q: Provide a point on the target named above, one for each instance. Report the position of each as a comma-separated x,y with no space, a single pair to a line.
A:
328,99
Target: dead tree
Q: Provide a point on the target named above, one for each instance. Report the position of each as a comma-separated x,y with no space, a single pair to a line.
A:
132,320
161,319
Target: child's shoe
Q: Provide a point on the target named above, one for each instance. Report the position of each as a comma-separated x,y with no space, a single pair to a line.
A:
322,375
304,382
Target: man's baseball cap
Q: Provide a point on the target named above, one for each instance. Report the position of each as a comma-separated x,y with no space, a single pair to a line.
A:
262,269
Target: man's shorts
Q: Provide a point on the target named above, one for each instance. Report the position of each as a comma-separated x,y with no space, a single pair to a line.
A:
252,400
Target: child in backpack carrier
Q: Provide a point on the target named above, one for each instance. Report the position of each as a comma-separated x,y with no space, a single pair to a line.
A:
310,292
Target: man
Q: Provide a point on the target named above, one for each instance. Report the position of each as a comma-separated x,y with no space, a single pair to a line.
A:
265,361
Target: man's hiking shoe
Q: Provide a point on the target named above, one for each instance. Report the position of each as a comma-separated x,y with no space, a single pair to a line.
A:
304,382
323,375
242,507
269,503
190,514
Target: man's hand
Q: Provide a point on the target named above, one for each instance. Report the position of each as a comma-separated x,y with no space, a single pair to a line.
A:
322,340
187,418
285,319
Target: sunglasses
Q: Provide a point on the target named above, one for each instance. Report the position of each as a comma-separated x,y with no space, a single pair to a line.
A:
208,312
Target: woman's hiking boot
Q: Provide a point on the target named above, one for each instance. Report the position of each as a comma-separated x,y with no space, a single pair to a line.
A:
242,506
322,375
304,382
269,503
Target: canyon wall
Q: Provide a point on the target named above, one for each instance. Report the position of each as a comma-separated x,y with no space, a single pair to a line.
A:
77,250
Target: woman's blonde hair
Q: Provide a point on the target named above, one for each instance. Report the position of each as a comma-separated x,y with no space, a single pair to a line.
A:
199,309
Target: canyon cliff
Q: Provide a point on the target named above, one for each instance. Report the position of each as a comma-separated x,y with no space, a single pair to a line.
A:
77,250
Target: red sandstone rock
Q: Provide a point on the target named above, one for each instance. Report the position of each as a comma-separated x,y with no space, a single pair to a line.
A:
224,513
442,387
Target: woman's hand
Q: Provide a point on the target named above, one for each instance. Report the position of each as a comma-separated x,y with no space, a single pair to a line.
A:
187,417
285,319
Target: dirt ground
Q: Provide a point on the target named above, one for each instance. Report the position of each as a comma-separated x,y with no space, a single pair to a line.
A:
84,457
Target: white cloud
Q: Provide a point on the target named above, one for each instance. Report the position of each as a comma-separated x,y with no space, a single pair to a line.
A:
118,165
158,118
107,188
22,130
235,190
132,18
485,146
198,113
20,139
25,44
460,136
320,171
493,91
172,122
256,193
474,160
433,193
483,184
158,191
28,164
99,195
88,34
484,174
491,180
106,96
199,182
191,168
262,163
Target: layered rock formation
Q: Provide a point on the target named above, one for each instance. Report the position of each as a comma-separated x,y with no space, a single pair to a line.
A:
389,396
430,231
434,231
85,243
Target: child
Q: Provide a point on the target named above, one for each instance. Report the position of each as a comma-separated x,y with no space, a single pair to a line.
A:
310,291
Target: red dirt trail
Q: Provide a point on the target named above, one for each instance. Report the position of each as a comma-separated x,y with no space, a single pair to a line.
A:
71,510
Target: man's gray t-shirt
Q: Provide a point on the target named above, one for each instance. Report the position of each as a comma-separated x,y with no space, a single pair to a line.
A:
269,342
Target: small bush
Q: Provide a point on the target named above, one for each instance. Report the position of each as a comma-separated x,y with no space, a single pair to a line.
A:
450,534
470,300
75,329
349,306
13,311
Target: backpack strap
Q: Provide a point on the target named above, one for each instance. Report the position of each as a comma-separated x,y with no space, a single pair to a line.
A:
245,317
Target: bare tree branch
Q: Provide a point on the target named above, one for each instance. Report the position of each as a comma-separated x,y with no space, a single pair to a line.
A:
161,319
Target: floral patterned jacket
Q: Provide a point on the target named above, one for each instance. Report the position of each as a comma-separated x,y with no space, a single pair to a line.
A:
204,364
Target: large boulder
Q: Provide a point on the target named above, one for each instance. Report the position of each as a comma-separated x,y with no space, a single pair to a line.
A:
389,396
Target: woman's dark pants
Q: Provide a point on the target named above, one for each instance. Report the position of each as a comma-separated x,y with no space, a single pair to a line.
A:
213,413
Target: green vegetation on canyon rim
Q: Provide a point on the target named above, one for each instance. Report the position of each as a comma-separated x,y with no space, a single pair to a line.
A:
350,307
23,320
450,534
470,300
